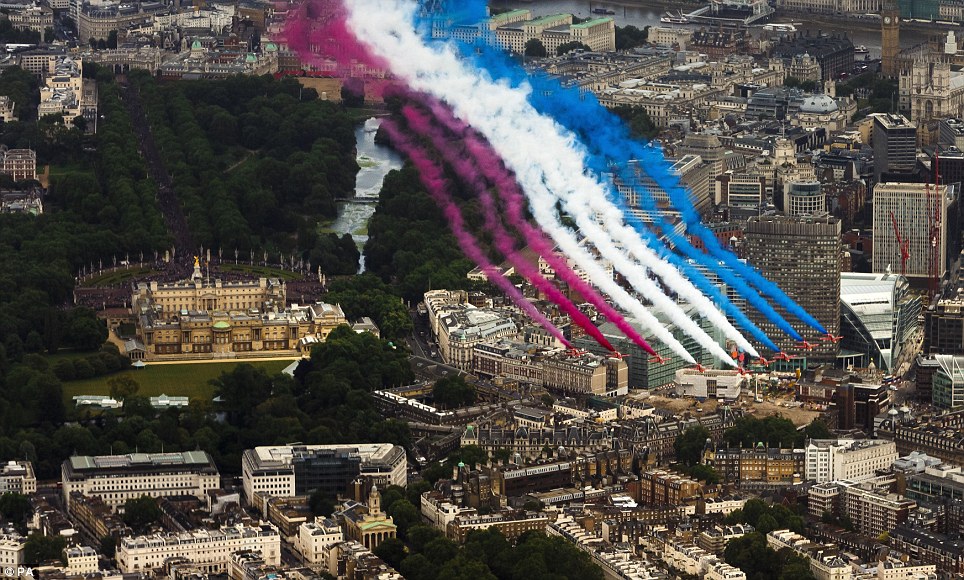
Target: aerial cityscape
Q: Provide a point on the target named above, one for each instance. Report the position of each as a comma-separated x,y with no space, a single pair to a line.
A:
482,289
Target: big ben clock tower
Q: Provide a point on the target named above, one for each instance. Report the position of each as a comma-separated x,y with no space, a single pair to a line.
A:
889,37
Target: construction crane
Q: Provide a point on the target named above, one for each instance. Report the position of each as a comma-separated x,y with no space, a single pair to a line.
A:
902,244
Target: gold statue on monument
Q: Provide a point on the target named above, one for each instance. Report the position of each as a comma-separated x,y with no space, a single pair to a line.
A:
197,264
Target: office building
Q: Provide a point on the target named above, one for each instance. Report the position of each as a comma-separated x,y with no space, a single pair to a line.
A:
288,470
118,478
586,374
879,315
947,386
801,255
895,145
209,550
18,477
944,327
913,206
874,512
801,198
834,459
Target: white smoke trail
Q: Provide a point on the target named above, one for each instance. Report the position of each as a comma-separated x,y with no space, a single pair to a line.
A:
546,159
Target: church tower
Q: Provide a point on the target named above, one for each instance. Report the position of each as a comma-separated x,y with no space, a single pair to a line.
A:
889,37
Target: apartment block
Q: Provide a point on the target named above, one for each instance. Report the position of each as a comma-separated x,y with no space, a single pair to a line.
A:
835,459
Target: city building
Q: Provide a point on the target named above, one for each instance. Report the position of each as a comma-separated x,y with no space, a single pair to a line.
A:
20,164
644,371
664,488
511,524
758,465
830,460
834,54
367,524
586,374
710,384
315,537
879,315
201,318
67,93
802,256
516,28
947,387
889,37
18,477
802,198
922,240
118,478
874,512
37,18
289,470
209,550
459,327
933,89
944,327
11,549
895,145
7,107
82,560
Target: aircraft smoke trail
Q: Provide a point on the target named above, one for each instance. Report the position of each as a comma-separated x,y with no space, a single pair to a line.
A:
504,242
492,169
545,157
607,135
436,184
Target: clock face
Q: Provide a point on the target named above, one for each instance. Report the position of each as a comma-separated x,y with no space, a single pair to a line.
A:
886,19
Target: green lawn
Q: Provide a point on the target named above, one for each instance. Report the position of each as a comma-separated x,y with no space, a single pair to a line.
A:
179,380
262,271
116,276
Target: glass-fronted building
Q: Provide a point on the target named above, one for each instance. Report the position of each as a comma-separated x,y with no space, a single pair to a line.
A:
878,314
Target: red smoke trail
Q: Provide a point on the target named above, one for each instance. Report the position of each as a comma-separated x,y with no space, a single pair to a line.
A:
466,169
491,167
437,185
317,31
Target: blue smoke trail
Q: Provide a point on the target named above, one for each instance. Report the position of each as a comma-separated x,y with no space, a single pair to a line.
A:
607,134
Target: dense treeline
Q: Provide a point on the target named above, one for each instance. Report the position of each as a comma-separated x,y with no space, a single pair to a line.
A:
409,243
90,216
368,295
253,160
426,554
329,401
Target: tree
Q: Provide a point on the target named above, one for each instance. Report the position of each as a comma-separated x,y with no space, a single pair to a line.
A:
571,46
628,37
689,445
15,507
353,92
121,387
704,473
817,429
141,513
404,514
532,505
40,549
535,49
108,546
392,551
453,392
320,503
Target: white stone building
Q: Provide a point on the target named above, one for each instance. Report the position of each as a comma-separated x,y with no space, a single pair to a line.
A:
837,459
209,550
118,478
